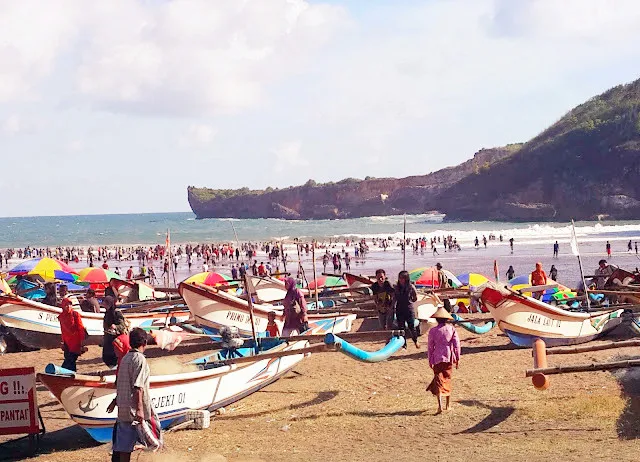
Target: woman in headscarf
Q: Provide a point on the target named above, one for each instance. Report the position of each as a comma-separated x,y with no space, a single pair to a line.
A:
295,310
404,296
443,351
113,324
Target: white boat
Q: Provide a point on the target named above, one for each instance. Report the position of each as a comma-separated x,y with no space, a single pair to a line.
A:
210,386
36,325
525,319
213,309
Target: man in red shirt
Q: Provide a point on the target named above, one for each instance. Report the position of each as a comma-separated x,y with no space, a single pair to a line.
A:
538,278
130,273
73,334
105,265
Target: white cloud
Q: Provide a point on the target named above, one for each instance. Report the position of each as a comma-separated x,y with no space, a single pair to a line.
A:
196,56
75,146
13,125
33,34
288,156
197,136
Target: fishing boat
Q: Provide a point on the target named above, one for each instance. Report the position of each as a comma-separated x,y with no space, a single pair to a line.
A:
213,384
524,319
213,309
137,291
36,325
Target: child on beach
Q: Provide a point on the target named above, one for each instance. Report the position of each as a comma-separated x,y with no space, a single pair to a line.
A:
272,327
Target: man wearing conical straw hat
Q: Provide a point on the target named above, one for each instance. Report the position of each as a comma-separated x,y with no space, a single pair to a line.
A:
444,351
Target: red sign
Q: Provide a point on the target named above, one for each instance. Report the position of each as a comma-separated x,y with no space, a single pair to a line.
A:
18,403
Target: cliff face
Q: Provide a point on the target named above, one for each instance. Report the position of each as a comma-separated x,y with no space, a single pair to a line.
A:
349,198
585,166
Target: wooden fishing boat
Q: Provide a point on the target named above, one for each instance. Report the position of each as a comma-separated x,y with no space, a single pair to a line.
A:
137,291
213,309
36,325
212,385
525,319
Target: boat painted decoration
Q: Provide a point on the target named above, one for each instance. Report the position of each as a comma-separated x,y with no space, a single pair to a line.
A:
211,386
213,309
36,325
524,319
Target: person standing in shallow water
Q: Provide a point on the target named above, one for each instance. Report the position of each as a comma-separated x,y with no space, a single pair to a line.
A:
511,273
404,296
443,351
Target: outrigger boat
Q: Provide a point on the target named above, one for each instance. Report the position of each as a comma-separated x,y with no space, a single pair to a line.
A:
36,325
218,382
213,309
525,319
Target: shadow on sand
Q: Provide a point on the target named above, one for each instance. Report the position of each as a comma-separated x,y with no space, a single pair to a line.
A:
322,397
497,415
628,424
65,439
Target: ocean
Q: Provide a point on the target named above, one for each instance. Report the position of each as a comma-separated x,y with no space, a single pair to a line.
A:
533,241
151,228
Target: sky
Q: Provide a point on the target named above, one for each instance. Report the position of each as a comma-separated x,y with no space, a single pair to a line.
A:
118,106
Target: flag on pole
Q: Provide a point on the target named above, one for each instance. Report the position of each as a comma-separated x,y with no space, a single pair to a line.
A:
574,241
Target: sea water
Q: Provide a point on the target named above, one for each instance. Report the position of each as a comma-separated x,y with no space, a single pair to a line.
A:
151,228
533,241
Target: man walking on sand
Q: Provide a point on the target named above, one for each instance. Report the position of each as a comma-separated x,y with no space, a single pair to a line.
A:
132,397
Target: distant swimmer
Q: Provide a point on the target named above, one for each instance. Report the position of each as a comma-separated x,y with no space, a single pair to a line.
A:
556,249
511,244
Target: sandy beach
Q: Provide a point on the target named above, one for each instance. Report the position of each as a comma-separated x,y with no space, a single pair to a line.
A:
331,407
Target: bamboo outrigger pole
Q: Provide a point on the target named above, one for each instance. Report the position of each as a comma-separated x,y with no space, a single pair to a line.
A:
576,252
404,243
313,257
248,287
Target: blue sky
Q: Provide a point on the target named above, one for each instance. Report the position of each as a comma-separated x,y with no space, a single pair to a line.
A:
116,107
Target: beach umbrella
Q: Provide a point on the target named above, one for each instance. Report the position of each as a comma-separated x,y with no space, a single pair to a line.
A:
4,287
523,279
327,281
47,268
424,277
472,279
208,278
93,275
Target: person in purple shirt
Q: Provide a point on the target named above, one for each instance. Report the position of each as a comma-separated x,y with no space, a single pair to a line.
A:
443,351
295,310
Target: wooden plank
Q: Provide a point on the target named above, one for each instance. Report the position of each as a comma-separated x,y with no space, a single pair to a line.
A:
584,367
585,348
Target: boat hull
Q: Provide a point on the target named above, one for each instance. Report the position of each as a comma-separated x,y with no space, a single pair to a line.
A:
171,396
36,325
213,310
525,319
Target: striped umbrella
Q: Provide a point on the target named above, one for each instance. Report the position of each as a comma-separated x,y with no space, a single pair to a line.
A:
428,277
4,287
472,279
327,281
208,278
47,268
94,275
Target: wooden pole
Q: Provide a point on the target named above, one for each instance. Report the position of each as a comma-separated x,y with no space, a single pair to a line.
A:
404,243
585,367
539,380
574,243
248,286
321,347
586,348
315,278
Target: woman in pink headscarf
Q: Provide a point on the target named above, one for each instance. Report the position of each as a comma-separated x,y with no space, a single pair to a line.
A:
295,310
